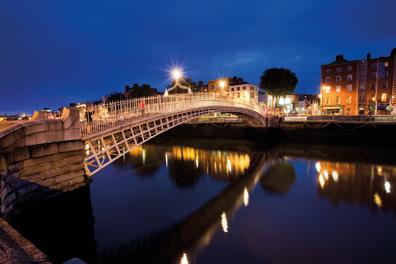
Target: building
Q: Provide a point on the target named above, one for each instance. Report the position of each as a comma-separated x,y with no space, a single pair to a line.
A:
353,87
296,104
247,91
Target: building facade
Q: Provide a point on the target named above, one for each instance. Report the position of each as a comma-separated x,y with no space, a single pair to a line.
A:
353,87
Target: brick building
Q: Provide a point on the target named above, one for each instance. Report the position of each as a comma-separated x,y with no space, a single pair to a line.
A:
351,87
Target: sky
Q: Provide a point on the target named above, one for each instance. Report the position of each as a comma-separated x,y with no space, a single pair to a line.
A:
53,53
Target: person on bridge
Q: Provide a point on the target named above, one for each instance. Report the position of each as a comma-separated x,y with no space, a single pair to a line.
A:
141,106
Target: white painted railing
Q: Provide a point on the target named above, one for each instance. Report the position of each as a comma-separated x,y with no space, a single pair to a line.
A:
106,116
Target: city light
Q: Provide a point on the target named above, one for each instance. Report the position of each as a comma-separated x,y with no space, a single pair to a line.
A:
321,181
377,200
184,259
177,73
326,174
387,187
317,166
334,174
222,84
224,222
245,197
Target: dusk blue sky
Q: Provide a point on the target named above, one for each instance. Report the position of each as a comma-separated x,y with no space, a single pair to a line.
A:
53,52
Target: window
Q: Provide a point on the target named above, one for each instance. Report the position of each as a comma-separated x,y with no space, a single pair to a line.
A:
349,87
232,89
328,70
251,88
386,64
362,87
338,89
338,78
373,75
349,77
244,87
374,66
348,99
384,97
349,68
238,88
372,86
251,94
327,89
338,69
338,100
384,85
327,100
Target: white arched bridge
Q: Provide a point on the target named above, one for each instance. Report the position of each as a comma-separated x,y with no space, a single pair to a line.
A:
110,130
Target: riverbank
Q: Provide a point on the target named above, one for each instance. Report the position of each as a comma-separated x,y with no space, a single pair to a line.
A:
330,133
14,248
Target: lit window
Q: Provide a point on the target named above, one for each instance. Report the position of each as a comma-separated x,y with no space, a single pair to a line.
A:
327,89
349,77
338,89
362,87
327,100
348,100
349,87
338,78
384,97
338,100
386,63
328,79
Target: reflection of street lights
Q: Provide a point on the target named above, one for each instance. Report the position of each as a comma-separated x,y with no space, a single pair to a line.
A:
177,74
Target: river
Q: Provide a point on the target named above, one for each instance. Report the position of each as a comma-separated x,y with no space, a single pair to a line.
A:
225,201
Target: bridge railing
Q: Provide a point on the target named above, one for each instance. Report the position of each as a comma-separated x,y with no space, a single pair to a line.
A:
106,116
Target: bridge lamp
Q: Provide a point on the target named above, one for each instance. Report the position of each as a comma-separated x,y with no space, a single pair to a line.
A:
177,74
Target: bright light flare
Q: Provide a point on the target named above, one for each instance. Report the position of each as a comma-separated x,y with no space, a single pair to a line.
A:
222,84
177,73
184,259
245,197
387,187
317,166
224,222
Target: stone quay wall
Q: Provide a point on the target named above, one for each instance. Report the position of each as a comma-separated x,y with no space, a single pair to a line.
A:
40,158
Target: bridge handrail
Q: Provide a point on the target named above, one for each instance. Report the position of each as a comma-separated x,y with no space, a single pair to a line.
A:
106,116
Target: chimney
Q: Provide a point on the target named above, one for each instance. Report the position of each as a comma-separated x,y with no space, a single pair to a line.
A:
339,58
368,57
126,88
393,52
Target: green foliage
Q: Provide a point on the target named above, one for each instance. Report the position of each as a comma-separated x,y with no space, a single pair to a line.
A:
114,96
139,91
278,81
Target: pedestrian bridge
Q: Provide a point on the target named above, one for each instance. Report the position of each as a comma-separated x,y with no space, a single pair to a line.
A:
110,130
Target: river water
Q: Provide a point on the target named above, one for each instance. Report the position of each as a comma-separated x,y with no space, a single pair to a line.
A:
226,201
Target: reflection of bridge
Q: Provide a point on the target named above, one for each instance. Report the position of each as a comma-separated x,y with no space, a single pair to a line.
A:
115,128
195,231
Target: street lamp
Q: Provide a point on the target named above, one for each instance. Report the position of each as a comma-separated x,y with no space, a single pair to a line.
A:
177,74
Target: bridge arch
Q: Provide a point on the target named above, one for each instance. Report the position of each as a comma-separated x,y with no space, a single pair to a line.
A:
106,141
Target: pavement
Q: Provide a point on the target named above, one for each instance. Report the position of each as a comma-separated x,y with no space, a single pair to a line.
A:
14,248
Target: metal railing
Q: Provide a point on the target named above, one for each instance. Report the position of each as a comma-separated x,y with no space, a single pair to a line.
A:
342,118
106,116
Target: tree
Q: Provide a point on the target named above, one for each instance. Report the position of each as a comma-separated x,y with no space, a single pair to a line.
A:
114,96
278,82
139,91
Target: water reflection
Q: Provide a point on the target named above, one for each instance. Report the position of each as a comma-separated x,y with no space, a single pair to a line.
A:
279,178
357,183
238,170
186,165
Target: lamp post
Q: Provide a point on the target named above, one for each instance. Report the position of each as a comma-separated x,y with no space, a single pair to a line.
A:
177,74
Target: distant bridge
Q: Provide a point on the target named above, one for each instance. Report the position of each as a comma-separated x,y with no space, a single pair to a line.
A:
111,130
